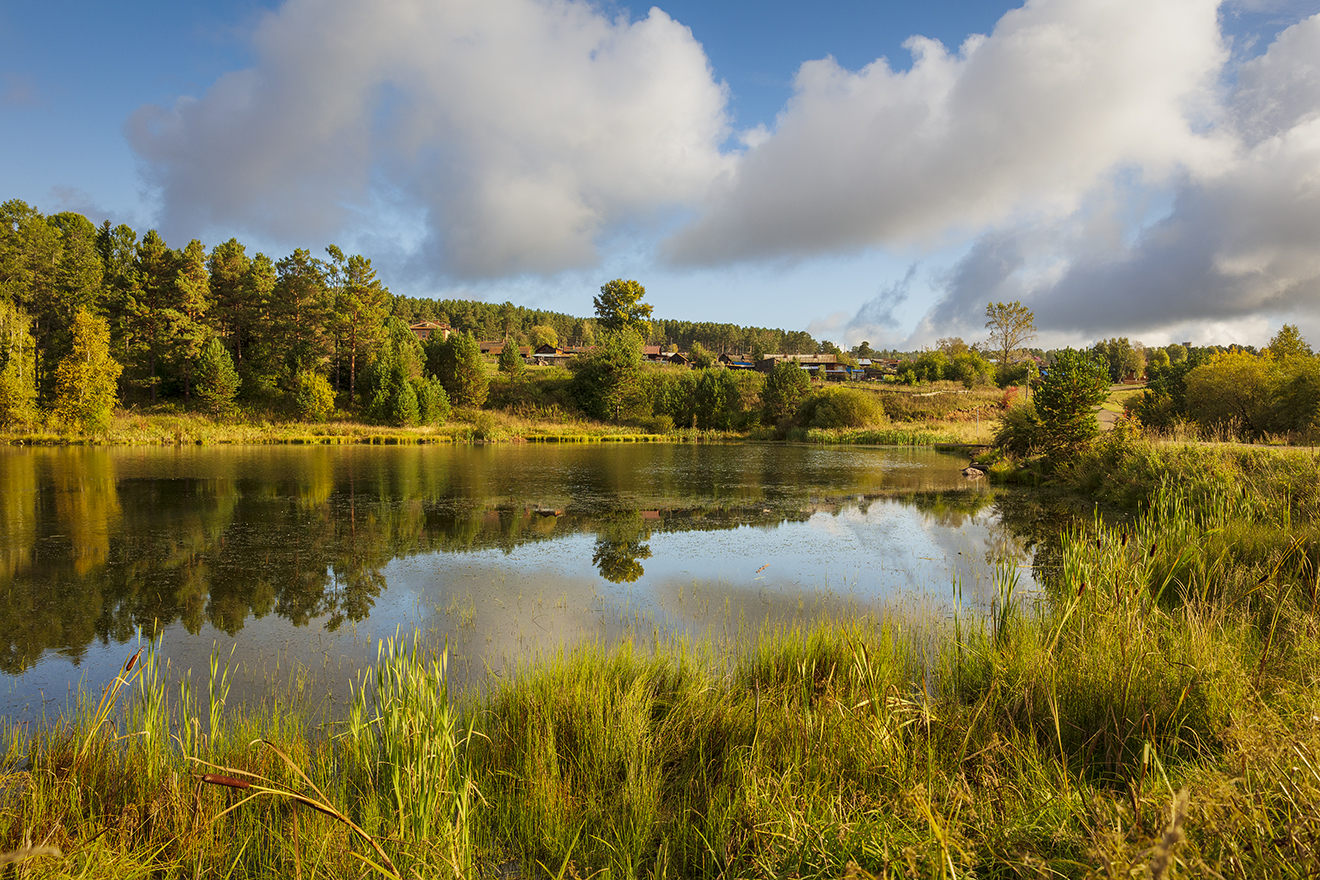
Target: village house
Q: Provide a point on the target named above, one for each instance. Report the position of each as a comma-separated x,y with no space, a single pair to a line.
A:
423,330
496,348
812,363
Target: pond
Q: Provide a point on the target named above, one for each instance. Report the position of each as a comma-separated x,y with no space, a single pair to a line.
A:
296,560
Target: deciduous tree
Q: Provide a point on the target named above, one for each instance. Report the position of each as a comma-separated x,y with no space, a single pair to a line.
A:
607,382
85,381
620,307
18,382
1011,326
785,388
1289,342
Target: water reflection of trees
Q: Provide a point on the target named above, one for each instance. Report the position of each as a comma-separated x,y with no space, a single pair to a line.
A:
620,545
97,544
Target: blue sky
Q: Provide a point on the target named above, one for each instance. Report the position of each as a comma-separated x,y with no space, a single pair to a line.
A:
1126,167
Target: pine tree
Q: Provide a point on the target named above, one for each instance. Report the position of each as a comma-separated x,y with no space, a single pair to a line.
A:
155,267
510,361
191,301
217,380
361,304
461,370
85,381
299,310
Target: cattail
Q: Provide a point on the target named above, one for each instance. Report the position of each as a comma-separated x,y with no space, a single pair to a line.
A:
1081,591
231,782
1123,543
1152,550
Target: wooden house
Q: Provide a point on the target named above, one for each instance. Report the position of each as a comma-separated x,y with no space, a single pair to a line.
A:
424,330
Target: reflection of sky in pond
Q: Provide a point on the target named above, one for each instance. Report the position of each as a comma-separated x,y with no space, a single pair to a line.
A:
503,552
496,606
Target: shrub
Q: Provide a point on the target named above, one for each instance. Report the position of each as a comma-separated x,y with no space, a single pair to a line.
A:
1019,431
784,389
313,398
432,401
840,408
608,382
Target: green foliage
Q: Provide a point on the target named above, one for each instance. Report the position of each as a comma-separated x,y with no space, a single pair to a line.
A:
86,380
510,361
543,334
1019,373
1232,393
969,368
301,308
1289,343
1066,398
1020,432
402,408
394,398
1296,398
620,547
701,357
709,399
457,363
930,365
619,307
1164,402
217,380
837,407
1120,357
432,401
50,269
359,304
607,382
785,388
18,379
313,398
1011,326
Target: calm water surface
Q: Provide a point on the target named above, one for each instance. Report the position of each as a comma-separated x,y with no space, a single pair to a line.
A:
298,559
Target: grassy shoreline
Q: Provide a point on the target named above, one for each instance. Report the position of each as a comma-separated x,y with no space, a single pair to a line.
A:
129,428
1156,712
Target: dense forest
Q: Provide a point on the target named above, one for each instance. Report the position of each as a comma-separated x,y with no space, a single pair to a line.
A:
169,314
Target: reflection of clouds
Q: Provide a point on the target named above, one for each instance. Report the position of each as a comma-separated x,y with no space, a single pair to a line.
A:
497,608
286,545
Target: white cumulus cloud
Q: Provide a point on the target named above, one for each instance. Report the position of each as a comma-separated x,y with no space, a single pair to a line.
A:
1240,242
521,131
1024,121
